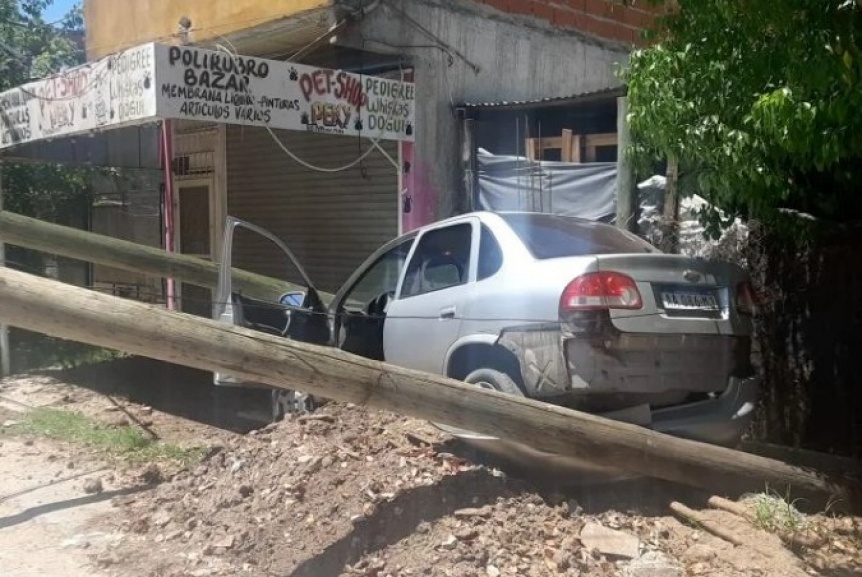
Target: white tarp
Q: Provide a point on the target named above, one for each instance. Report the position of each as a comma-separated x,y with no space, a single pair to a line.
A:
589,191
155,81
514,183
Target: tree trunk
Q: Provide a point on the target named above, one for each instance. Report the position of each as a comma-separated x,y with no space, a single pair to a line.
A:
670,215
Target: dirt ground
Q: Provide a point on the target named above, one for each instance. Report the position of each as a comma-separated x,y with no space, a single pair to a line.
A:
346,491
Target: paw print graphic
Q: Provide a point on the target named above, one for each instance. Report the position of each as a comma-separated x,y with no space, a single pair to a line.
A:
147,81
294,75
304,118
409,130
358,124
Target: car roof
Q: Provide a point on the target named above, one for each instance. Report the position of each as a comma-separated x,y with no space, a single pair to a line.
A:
496,216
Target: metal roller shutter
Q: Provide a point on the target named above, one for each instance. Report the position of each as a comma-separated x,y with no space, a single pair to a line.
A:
331,221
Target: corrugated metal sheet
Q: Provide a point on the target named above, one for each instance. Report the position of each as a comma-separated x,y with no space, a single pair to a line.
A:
549,101
331,221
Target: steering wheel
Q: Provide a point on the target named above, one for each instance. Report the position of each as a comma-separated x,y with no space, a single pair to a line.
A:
377,306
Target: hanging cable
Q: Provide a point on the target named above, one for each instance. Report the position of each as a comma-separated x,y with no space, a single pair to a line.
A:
232,52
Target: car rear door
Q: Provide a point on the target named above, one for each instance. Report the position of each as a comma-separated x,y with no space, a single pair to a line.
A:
425,318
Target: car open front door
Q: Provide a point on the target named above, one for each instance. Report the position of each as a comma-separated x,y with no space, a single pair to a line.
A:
293,309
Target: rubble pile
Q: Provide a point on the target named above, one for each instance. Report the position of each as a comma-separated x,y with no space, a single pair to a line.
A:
347,491
356,492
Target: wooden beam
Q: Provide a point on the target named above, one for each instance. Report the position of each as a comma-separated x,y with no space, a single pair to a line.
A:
122,254
68,312
593,141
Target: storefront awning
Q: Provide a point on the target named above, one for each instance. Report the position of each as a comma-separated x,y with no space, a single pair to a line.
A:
152,82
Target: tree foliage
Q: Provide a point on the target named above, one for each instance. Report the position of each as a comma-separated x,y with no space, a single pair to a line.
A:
31,48
761,102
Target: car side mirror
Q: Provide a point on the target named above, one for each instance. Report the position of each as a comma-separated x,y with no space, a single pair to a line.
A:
292,299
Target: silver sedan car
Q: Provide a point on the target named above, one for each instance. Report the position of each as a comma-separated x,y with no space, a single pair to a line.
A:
559,309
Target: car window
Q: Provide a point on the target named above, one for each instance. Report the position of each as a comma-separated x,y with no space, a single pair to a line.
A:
381,277
554,236
441,260
490,254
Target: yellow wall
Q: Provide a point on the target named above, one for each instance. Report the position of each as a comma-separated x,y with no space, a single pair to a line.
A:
116,24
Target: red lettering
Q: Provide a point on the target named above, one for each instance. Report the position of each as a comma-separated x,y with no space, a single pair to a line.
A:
306,85
319,77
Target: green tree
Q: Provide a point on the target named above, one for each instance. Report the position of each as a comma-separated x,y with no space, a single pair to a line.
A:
761,102
31,48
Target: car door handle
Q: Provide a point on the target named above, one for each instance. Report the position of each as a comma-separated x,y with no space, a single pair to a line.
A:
447,313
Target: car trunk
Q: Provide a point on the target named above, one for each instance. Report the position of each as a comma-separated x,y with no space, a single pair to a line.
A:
686,338
680,294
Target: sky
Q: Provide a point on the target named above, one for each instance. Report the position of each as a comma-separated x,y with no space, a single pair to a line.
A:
58,9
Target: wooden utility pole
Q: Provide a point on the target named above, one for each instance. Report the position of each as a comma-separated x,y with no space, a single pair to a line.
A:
627,195
122,254
73,313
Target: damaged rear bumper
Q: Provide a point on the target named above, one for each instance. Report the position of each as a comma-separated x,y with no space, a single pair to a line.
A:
720,421
645,380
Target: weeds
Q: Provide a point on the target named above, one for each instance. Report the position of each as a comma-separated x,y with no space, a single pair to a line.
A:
777,514
124,442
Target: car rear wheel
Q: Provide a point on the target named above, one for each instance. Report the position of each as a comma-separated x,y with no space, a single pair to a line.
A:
496,380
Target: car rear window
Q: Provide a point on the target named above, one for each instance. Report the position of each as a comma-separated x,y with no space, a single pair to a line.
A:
554,236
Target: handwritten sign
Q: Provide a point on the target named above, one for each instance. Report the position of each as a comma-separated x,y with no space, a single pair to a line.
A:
114,91
156,81
200,84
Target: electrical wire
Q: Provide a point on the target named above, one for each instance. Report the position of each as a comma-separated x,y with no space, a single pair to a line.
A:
232,52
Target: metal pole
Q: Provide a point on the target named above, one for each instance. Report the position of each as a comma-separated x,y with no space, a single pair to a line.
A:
167,160
5,363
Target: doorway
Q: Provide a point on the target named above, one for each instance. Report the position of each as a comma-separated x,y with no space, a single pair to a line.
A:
194,224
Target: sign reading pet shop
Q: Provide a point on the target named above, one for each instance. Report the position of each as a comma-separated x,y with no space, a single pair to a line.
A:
207,85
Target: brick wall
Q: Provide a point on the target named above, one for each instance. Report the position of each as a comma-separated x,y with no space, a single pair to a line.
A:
608,19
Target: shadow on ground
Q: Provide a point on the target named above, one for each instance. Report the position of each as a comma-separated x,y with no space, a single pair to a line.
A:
33,512
398,519
173,389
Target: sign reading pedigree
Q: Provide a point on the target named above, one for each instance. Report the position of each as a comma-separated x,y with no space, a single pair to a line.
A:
114,91
207,85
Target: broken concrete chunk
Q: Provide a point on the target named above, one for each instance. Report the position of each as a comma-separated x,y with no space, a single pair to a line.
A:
653,564
609,541
93,486
225,542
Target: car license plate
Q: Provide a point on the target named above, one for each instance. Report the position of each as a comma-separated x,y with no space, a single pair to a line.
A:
689,301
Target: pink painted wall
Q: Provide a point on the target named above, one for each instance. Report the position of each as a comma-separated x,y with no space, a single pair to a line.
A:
418,196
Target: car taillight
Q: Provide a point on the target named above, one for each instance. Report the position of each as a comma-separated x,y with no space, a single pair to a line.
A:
746,299
601,291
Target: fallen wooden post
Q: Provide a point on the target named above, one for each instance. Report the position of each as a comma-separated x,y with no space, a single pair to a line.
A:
68,312
113,252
